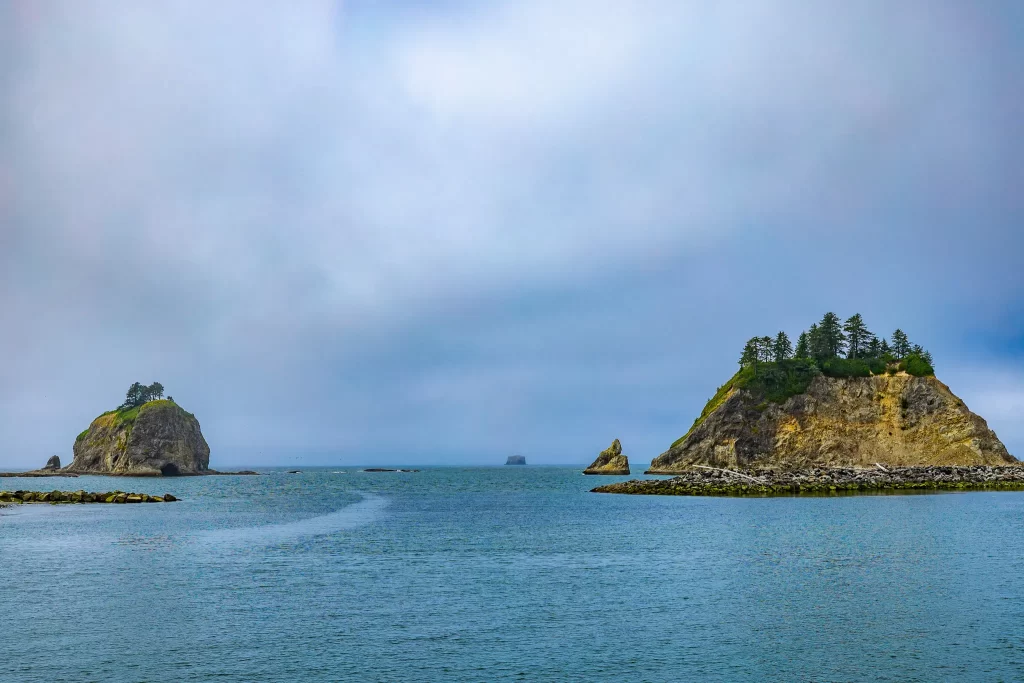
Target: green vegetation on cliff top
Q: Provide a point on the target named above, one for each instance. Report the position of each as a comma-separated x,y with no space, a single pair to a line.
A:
768,382
772,372
128,416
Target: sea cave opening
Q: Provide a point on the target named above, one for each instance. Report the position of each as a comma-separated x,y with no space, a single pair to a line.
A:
170,470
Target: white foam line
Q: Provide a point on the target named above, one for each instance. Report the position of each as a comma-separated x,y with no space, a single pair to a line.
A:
367,510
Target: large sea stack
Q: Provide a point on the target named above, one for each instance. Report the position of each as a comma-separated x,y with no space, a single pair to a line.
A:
156,438
889,418
610,461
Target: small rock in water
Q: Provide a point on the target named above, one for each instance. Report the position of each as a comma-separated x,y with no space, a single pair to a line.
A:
610,461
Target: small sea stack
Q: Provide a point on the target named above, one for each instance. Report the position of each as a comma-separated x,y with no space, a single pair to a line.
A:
148,435
610,461
516,460
52,464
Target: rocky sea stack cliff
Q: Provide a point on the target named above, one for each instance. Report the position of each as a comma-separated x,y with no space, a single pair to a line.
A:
610,461
893,418
155,438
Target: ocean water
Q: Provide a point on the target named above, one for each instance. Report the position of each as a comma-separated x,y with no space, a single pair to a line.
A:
506,574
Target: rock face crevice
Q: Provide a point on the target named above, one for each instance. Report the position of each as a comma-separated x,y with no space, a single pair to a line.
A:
610,461
159,439
891,419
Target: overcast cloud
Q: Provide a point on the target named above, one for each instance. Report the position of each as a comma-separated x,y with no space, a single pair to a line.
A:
407,233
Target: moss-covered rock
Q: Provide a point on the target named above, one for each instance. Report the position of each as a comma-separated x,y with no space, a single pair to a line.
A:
831,481
610,461
80,496
156,438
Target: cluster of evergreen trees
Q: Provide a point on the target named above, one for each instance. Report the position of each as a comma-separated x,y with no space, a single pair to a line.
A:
830,339
139,393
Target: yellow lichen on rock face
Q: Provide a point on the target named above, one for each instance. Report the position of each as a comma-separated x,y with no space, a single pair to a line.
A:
610,461
891,419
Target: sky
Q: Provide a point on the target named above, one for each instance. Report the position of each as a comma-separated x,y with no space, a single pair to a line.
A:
444,233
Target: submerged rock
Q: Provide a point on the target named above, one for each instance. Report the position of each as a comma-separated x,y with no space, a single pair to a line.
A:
895,420
710,481
610,461
81,497
516,460
52,464
157,438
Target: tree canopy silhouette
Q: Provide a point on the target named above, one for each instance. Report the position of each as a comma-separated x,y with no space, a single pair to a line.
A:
839,349
139,394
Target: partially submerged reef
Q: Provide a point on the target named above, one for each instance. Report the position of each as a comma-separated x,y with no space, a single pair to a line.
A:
80,496
706,481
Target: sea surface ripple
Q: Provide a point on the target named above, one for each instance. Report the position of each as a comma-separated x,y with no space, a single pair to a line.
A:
506,574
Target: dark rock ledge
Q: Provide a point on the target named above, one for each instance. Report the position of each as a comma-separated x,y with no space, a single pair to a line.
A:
825,481
81,497
38,473
146,473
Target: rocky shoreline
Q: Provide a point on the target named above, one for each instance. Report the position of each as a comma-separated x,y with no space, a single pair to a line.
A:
55,497
38,473
709,481
154,473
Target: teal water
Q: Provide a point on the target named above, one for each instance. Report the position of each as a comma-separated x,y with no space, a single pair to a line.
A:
506,574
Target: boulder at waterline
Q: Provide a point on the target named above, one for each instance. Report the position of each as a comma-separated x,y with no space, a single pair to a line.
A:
81,496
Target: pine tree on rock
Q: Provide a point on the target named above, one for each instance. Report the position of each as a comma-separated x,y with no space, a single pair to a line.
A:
139,394
833,339
857,335
802,349
135,396
782,349
900,344
874,347
816,343
749,356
